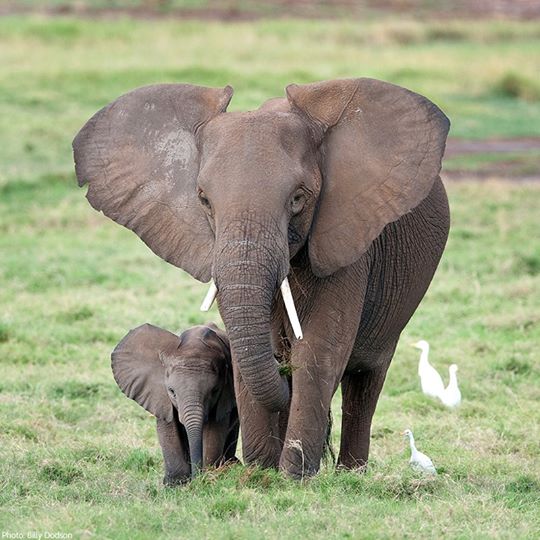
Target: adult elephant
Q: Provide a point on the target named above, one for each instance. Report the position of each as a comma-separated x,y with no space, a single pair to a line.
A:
336,186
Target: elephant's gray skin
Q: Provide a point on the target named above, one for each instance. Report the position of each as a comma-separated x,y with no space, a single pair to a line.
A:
186,382
337,185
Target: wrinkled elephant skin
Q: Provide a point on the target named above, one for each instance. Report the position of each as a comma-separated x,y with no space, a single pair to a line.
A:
336,186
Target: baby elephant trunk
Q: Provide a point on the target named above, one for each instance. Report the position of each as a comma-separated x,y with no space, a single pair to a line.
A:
192,419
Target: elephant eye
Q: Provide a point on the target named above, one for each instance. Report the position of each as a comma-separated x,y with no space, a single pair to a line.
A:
298,201
204,201
172,392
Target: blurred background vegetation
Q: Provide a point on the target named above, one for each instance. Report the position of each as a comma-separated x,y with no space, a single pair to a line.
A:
479,61
77,456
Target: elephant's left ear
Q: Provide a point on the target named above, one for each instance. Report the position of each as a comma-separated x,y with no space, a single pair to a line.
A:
140,159
381,152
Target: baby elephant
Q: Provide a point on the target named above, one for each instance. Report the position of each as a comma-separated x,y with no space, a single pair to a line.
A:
186,382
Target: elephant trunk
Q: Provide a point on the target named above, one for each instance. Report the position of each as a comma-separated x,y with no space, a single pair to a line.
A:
248,272
192,415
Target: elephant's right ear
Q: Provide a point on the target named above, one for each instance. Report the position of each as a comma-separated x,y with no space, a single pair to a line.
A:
139,372
381,150
140,160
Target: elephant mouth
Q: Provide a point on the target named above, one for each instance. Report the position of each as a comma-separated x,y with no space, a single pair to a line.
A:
287,299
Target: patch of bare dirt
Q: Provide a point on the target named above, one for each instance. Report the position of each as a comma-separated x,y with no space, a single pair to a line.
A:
456,147
519,161
504,9
246,10
489,176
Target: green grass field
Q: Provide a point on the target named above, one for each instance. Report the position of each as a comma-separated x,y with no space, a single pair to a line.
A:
77,457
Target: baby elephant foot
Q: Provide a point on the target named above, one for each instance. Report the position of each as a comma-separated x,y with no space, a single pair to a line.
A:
174,480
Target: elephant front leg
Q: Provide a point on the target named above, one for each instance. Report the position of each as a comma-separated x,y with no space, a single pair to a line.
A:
314,382
259,428
175,450
330,316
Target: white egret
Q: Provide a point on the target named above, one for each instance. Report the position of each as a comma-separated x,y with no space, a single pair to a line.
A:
451,395
430,380
419,461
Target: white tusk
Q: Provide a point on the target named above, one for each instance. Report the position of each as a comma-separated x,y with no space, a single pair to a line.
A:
210,297
291,309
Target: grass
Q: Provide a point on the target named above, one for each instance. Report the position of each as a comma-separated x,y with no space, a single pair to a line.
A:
515,85
77,456
57,72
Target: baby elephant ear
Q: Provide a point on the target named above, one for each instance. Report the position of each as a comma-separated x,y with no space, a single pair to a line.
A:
139,372
226,404
227,401
381,152
139,157
220,339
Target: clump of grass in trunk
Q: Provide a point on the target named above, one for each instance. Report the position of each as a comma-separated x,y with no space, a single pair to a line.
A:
286,370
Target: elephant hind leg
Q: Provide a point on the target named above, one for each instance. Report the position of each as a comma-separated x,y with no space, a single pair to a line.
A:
360,393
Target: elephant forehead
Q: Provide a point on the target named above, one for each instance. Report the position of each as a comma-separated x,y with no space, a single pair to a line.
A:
267,150
188,353
253,131
191,364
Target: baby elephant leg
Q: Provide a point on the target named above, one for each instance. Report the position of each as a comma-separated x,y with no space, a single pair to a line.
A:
220,441
175,450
